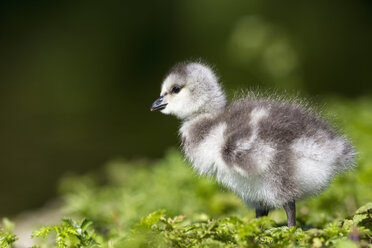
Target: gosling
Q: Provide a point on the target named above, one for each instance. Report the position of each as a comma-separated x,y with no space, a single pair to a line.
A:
269,152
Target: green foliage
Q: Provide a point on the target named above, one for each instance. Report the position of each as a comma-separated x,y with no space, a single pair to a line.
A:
70,234
132,190
263,232
197,212
157,230
6,236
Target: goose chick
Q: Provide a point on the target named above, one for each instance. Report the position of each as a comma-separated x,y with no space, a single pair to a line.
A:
269,152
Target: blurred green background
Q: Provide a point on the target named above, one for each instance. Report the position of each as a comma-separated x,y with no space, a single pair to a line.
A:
77,77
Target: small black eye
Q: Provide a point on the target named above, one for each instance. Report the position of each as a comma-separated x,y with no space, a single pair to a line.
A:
176,89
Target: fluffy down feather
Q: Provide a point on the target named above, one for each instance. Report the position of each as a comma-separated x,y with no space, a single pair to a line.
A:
269,151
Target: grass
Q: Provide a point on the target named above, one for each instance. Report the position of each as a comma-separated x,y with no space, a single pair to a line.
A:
165,204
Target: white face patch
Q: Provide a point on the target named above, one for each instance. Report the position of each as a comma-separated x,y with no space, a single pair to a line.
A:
180,104
200,91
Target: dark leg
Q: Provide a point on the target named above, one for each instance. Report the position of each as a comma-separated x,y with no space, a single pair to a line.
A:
261,212
290,209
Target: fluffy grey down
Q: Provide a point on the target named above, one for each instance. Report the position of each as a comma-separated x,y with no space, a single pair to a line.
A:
269,152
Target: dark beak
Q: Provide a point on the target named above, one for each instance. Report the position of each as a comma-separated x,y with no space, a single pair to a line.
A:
158,104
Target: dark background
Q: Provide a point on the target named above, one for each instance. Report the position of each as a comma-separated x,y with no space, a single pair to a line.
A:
77,77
